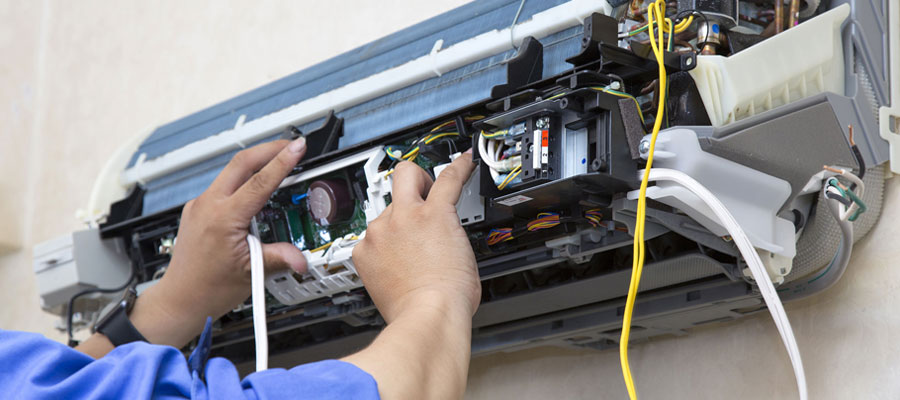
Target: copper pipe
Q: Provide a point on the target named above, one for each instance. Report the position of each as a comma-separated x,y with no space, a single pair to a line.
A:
795,14
779,16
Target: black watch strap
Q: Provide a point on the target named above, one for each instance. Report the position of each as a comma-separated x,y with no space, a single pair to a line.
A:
116,326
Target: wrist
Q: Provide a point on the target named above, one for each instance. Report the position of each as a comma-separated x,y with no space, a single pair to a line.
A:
428,302
161,321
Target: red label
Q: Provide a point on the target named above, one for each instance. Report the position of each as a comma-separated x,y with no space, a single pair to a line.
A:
545,138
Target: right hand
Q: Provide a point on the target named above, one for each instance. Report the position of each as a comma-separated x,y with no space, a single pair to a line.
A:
416,252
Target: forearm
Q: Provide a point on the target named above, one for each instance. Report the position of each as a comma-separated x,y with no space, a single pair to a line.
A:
423,354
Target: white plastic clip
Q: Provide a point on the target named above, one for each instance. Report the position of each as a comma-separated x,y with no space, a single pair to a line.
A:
236,131
433,55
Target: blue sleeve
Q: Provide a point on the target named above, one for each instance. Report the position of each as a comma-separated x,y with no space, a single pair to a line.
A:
33,367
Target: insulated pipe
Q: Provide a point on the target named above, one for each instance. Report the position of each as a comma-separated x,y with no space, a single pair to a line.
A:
779,16
795,14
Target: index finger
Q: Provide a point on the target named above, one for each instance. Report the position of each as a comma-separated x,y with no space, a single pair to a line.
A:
451,181
253,194
243,165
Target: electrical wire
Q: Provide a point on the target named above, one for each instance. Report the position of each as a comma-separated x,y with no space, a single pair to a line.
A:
594,217
512,26
258,300
499,235
544,221
510,177
71,305
831,273
655,16
754,263
625,95
858,207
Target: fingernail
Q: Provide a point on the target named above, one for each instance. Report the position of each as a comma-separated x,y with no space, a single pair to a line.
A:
469,151
297,145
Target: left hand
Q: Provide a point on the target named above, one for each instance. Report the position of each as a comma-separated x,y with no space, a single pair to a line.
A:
209,273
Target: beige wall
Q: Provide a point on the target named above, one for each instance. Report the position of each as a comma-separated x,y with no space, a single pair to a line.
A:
78,79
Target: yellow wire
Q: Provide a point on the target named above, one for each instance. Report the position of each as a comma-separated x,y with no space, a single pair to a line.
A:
684,24
654,12
641,114
494,134
509,178
412,154
442,125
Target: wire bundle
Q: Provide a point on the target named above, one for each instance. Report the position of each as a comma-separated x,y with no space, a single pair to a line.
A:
504,162
544,221
433,134
834,189
656,25
511,176
414,152
594,217
499,235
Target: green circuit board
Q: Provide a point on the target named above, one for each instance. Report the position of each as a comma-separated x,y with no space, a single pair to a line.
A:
284,220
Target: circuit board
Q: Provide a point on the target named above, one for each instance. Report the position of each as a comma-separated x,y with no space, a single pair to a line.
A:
290,221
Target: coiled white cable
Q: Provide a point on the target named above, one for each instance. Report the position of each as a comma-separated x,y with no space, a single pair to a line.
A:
258,299
750,255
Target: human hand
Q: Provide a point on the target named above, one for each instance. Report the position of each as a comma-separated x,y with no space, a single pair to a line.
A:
209,273
416,252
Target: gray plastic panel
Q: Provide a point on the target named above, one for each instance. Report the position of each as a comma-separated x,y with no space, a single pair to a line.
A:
660,274
791,142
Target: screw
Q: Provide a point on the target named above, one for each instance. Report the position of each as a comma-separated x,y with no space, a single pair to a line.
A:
644,147
542,123
688,61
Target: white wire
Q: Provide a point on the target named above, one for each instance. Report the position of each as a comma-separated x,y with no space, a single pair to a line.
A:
483,151
861,189
258,299
750,255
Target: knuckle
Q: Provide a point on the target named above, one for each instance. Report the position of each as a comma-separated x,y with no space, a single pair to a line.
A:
451,174
241,159
257,184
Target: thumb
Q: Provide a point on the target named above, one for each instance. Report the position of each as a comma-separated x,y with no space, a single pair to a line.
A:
283,255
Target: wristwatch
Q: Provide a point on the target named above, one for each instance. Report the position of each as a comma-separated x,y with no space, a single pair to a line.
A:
116,326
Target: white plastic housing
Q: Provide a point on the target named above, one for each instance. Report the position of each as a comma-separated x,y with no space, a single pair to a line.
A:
803,61
77,261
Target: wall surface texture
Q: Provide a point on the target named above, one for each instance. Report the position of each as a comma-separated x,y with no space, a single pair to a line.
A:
79,79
